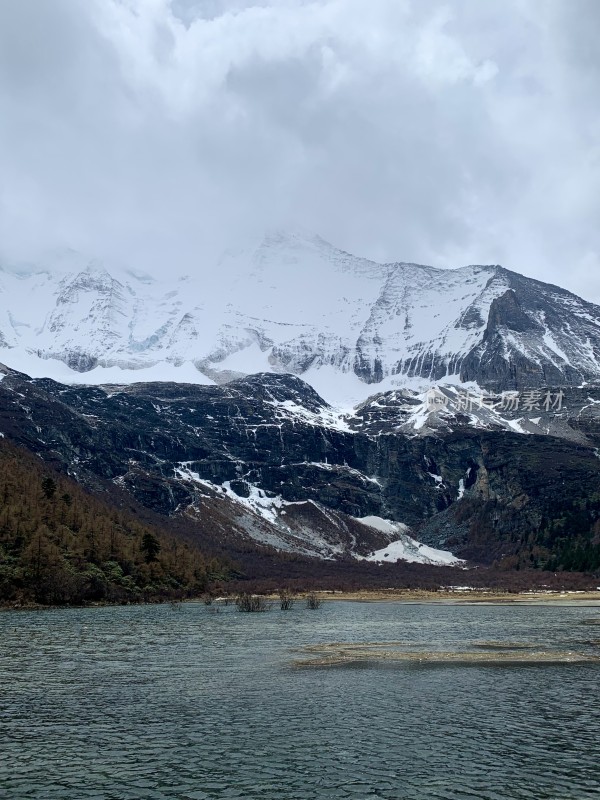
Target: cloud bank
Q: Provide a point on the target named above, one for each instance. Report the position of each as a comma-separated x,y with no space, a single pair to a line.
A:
156,132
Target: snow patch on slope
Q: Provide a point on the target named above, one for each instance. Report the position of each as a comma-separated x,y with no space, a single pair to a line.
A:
408,549
405,548
324,418
383,525
273,510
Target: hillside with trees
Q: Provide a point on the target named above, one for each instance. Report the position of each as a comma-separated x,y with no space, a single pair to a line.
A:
59,544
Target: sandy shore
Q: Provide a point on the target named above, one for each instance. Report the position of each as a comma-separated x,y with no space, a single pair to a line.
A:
462,597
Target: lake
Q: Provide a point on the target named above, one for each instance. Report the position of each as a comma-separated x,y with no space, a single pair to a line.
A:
167,703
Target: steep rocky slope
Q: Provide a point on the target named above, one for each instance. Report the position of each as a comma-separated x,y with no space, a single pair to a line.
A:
269,462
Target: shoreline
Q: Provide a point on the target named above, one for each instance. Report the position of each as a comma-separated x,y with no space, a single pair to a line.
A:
405,596
465,597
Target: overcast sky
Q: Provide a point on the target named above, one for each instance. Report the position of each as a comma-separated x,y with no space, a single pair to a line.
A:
445,133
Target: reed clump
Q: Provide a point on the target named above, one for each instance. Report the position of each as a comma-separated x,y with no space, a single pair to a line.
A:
286,600
251,602
313,601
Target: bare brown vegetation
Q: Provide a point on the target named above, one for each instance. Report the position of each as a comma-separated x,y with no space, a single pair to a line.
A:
251,602
286,600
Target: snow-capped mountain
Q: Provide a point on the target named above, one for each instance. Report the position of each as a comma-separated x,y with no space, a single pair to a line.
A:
294,303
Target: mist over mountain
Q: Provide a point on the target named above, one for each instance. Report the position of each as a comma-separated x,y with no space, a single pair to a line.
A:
283,399
293,303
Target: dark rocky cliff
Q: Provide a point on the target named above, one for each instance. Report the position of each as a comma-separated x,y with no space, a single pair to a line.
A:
284,468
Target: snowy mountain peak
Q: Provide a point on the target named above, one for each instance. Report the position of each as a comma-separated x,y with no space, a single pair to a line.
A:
292,302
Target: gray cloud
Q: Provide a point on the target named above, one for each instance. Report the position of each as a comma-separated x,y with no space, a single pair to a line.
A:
157,131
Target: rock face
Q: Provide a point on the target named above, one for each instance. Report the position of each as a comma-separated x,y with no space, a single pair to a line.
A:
295,304
267,460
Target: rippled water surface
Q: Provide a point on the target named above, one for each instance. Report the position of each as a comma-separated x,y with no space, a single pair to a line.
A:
155,703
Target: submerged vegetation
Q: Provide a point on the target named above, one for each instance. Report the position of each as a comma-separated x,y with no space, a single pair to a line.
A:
245,601
59,545
313,601
286,600
252,602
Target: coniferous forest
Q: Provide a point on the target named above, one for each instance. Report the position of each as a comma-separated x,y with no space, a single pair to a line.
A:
59,544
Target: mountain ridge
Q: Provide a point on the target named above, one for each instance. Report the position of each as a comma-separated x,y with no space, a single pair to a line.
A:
294,303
